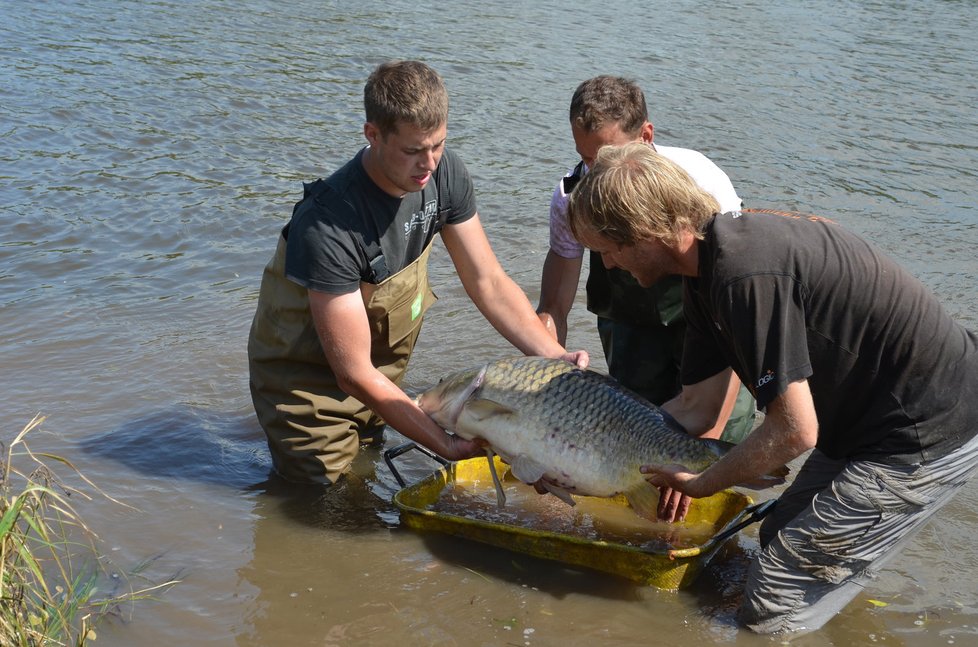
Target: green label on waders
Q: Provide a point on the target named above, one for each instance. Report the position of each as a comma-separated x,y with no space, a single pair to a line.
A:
416,306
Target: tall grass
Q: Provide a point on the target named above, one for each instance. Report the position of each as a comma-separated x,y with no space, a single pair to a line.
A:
50,566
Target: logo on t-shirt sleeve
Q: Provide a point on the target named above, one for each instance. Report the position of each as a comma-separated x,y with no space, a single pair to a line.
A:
764,380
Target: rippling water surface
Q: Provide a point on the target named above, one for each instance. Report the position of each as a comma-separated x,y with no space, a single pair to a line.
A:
150,151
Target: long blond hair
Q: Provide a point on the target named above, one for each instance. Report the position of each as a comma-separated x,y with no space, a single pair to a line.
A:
632,193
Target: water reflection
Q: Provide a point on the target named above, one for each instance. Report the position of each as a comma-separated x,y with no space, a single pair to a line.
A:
187,443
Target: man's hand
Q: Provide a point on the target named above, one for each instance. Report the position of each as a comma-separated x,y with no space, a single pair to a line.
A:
673,505
579,357
459,448
677,488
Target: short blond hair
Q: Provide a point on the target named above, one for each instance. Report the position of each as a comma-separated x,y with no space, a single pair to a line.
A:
632,193
405,92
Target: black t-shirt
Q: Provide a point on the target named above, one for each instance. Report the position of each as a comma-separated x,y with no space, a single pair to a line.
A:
787,297
346,229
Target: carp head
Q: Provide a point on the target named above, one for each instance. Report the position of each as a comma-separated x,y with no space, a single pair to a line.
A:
444,402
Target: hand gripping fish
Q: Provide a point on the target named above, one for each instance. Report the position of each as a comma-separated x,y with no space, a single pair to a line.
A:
567,429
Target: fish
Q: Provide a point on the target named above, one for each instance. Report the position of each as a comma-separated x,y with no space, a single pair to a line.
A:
566,429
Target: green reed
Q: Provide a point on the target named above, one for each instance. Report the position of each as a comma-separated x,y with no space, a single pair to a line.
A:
50,566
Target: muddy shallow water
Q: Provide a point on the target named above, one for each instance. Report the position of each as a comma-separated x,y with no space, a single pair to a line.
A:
151,151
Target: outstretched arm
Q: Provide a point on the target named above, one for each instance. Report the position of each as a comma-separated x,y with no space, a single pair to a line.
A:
558,288
344,333
501,301
790,428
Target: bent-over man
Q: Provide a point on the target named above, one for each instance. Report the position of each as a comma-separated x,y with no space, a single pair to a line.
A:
851,356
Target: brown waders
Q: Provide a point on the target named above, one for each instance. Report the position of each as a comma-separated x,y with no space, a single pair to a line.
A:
314,428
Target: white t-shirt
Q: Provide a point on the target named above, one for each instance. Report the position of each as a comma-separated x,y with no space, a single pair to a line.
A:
705,173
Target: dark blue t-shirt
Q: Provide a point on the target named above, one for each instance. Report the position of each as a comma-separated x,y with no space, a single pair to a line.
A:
346,229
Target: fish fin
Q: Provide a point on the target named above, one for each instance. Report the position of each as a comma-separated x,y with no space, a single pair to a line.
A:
526,469
671,422
644,499
500,494
560,493
718,447
481,408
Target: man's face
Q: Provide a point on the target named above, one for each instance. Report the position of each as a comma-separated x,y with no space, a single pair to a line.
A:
588,143
403,161
647,260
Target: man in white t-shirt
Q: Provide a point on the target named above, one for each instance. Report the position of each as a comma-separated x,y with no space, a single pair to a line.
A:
641,329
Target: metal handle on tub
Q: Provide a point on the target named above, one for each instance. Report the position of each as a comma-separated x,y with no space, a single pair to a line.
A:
748,516
394,452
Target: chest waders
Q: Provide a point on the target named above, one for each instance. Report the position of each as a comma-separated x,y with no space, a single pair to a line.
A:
313,427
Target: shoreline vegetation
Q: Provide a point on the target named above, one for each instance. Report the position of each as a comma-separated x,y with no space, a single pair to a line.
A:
54,584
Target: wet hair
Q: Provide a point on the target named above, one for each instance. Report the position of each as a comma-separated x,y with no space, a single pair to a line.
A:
633,193
607,100
405,92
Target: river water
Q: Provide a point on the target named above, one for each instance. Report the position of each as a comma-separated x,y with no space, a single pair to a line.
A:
152,150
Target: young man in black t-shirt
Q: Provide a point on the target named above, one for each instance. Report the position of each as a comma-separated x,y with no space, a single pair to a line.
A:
342,300
851,357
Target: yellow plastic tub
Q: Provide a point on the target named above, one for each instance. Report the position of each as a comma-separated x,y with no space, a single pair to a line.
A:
662,567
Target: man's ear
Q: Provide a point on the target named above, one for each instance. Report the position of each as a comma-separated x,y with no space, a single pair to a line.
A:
371,132
648,132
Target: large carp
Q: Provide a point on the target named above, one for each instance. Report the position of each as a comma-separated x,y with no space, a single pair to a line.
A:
569,429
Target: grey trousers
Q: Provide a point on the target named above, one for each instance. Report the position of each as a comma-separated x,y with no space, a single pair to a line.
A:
835,527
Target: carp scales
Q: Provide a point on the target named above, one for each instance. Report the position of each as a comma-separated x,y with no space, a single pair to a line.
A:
566,429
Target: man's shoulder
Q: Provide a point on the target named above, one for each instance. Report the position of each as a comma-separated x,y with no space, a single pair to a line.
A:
705,173
451,171
451,162
338,188
685,156
337,203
